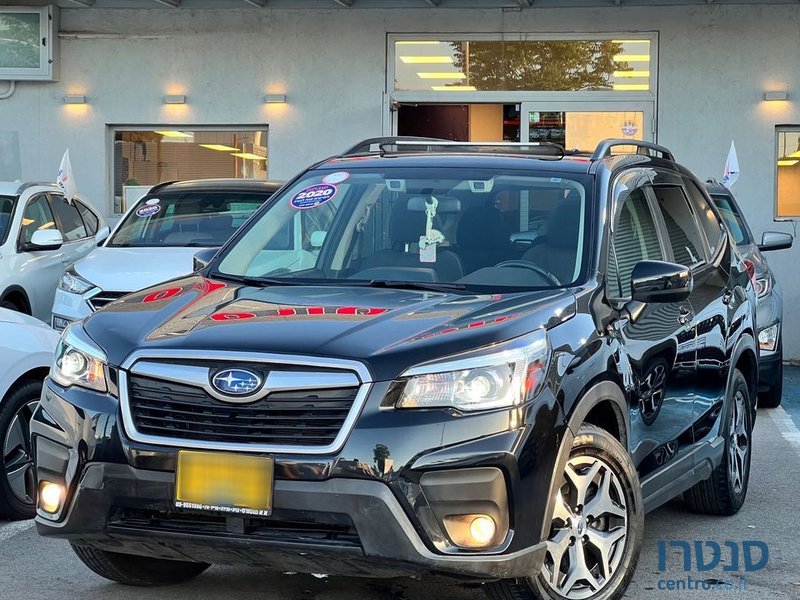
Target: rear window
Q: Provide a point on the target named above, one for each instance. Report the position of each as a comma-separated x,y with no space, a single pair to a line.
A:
732,218
187,219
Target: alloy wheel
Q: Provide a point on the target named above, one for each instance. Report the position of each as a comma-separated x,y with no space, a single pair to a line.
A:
589,529
18,455
739,443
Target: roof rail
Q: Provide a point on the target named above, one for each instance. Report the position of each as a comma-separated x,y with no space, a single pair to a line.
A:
545,150
30,184
604,148
373,145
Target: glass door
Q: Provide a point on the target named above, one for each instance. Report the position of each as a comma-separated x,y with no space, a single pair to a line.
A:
581,125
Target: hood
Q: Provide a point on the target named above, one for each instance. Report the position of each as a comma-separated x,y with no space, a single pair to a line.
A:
131,269
387,329
18,318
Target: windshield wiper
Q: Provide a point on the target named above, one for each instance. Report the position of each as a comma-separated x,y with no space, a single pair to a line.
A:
416,285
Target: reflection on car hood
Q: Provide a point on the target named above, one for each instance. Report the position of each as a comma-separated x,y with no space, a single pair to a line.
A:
131,269
388,329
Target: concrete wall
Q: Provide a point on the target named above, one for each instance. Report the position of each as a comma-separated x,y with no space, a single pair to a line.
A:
715,64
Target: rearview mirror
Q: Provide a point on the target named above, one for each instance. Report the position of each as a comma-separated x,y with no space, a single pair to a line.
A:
317,238
775,240
203,258
658,281
45,239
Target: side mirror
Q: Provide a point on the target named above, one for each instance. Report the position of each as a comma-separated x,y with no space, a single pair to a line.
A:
102,235
203,258
317,238
775,240
658,281
45,239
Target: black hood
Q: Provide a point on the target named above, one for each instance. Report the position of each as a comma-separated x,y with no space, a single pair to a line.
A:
387,329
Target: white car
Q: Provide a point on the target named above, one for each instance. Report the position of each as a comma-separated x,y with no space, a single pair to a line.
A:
26,353
41,234
156,241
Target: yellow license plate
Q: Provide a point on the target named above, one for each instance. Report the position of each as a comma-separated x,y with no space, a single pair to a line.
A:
226,482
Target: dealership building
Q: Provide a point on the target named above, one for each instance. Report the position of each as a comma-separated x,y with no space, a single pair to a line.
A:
143,91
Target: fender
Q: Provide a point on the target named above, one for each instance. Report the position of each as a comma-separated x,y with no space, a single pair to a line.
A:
601,391
745,342
19,290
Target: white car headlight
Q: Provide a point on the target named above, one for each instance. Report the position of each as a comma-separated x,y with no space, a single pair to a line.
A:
768,338
73,283
507,375
78,361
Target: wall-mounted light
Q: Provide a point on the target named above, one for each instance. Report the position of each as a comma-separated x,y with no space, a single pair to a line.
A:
775,96
74,99
275,99
175,99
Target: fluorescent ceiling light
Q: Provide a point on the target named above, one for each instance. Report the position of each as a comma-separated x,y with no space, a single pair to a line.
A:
631,58
417,43
631,87
788,163
454,88
427,60
175,134
631,73
631,42
794,155
249,155
220,147
442,75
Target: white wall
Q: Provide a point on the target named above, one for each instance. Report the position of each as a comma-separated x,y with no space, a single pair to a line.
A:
715,63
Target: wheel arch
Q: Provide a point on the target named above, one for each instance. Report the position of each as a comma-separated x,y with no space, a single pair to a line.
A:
16,291
745,359
33,374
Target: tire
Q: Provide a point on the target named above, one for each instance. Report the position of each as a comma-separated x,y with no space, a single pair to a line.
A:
724,492
773,396
140,571
10,306
17,473
592,447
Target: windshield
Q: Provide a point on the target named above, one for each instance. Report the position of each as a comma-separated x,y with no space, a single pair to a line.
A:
476,230
732,218
186,219
6,206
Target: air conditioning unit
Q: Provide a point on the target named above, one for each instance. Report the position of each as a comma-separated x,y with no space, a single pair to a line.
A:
29,43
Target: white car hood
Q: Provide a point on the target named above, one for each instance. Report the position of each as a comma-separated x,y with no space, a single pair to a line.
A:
132,269
10,316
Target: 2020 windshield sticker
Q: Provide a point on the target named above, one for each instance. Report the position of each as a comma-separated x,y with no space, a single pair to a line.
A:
337,177
148,210
313,196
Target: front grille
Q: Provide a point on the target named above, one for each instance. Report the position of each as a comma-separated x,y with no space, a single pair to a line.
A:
100,300
283,418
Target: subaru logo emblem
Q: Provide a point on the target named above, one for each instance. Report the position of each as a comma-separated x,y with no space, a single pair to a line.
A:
236,382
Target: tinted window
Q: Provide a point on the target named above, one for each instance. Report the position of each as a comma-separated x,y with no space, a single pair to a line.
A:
37,216
187,219
732,218
71,224
89,218
684,236
705,215
635,238
6,206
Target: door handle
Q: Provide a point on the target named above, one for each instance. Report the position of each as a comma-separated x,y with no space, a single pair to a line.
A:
685,315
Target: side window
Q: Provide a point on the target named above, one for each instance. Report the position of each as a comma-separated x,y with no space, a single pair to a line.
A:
72,227
89,218
682,231
37,216
708,219
635,238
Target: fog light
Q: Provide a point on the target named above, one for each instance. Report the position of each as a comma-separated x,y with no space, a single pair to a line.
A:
471,531
50,496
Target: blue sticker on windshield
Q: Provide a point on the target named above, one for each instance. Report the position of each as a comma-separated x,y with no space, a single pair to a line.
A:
313,196
148,210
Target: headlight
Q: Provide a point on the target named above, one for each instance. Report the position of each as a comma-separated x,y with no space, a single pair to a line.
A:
504,376
763,286
78,361
74,283
768,338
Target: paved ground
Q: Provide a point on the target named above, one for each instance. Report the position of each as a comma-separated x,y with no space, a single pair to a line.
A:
33,568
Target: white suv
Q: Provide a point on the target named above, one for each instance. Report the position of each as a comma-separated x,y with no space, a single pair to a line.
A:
41,234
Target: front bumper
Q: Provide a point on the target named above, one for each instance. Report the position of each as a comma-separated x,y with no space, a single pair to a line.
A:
122,509
71,307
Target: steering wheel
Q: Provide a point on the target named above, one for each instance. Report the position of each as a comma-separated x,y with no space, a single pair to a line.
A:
524,264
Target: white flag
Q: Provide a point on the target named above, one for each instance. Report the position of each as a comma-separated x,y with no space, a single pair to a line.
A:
65,179
731,173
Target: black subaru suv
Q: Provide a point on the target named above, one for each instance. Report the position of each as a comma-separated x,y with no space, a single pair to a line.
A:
498,360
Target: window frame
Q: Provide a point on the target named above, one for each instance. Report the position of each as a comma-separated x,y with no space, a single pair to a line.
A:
779,129
31,200
52,198
88,208
706,253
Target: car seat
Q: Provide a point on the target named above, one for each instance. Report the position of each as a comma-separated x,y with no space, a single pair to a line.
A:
483,239
558,252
